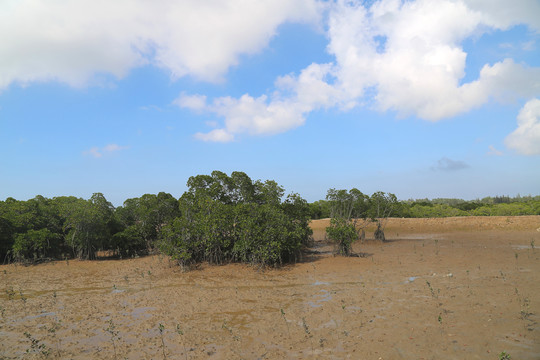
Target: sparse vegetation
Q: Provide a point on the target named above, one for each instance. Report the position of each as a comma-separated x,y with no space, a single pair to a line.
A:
111,330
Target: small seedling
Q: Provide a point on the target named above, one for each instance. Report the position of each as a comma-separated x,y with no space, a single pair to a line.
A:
10,293
433,295
161,329
224,326
286,322
308,333
36,346
52,330
179,331
525,308
23,298
504,356
439,319
111,329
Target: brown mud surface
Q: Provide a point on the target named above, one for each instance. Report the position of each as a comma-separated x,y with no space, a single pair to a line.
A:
455,288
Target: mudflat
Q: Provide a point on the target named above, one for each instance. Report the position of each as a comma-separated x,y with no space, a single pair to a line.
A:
451,288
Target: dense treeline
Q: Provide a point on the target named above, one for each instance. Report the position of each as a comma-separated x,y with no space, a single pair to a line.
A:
489,206
69,227
219,219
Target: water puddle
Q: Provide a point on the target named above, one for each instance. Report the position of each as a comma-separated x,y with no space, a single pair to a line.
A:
322,297
410,279
142,312
524,247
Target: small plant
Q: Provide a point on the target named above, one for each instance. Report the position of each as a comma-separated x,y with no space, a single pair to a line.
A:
224,326
308,333
111,329
525,308
2,311
10,293
532,244
286,322
439,319
161,329
504,356
433,295
52,330
36,346
23,298
180,332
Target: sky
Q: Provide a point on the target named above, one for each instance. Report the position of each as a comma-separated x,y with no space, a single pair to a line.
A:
423,99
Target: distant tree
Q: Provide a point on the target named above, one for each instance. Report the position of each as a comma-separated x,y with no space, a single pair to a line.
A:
7,232
36,245
346,209
319,209
142,219
381,207
87,225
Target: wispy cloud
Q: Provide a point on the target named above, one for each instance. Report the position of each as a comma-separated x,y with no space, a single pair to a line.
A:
494,151
446,164
99,152
193,102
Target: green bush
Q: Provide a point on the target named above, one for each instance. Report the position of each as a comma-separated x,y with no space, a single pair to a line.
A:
226,219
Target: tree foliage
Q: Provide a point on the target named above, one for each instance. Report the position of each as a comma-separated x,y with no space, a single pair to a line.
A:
232,218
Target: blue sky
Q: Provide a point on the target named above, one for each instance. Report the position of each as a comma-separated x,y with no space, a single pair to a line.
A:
419,98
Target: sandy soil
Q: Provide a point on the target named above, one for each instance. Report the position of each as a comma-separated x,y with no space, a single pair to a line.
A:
457,288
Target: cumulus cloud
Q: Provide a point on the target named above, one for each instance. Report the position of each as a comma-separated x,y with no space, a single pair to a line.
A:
526,138
99,152
285,110
391,55
446,164
401,56
77,41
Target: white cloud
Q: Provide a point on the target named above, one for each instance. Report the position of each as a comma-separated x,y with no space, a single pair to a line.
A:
99,152
193,102
402,56
217,135
526,138
77,41
502,15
